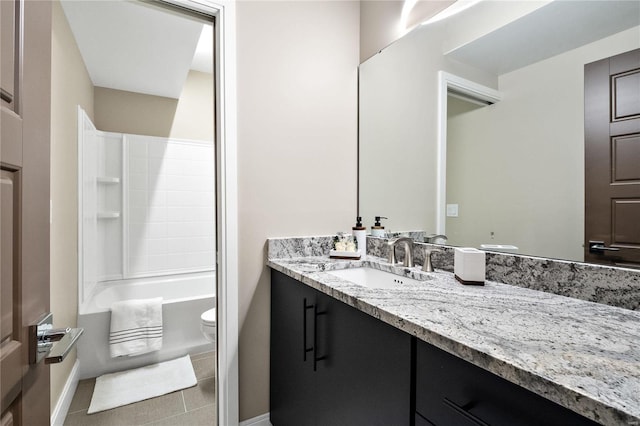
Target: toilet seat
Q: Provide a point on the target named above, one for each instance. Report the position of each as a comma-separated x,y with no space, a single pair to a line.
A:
209,317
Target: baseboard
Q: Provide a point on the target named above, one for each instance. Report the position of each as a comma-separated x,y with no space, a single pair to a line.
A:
64,402
262,420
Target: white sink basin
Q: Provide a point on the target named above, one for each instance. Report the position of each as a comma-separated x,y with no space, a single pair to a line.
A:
372,278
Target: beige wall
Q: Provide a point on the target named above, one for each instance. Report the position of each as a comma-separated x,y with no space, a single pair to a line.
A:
189,117
381,22
297,94
194,113
529,149
70,87
379,25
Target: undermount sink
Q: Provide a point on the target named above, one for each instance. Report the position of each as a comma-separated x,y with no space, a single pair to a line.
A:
373,278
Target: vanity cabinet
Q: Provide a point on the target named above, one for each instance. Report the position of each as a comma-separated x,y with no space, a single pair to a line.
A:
452,391
332,364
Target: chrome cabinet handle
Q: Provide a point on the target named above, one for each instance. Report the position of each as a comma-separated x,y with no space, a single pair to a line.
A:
598,247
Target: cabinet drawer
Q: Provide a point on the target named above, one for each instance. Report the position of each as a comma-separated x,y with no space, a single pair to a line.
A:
450,391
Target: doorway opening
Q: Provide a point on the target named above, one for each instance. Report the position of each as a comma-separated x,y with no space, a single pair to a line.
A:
170,116
472,94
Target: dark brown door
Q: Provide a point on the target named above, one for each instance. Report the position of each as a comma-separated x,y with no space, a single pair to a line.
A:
612,160
25,115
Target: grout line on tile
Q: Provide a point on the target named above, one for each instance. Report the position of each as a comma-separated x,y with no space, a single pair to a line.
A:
184,404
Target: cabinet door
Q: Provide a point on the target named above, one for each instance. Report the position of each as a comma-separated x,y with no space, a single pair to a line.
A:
364,376
452,391
292,385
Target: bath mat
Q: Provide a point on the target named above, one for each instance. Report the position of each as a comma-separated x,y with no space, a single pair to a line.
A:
126,387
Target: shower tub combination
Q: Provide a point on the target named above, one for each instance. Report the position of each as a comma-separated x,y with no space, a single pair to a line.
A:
147,229
185,298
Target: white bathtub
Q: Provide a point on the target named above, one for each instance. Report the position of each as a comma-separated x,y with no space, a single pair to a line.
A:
185,298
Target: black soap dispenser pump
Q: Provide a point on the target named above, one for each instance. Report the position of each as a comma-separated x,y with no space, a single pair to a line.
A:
377,230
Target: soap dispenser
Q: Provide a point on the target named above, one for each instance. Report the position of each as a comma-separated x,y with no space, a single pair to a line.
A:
377,230
360,234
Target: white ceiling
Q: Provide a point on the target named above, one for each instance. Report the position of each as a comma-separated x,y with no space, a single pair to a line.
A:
555,28
136,47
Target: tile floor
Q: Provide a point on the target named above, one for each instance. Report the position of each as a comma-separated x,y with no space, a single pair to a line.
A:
189,407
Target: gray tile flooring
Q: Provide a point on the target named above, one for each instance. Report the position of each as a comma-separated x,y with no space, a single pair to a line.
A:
189,407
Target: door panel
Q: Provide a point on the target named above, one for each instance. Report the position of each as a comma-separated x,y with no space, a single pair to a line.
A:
626,151
625,99
626,222
24,156
10,346
612,160
7,233
7,60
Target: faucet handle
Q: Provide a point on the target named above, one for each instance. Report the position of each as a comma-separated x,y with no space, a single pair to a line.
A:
427,266
433,238
391,251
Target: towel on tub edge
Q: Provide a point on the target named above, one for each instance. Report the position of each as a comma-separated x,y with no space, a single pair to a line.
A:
136,327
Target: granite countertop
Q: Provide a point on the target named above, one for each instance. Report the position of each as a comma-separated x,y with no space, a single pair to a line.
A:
582,355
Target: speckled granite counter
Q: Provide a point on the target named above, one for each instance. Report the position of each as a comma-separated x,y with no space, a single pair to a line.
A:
582,355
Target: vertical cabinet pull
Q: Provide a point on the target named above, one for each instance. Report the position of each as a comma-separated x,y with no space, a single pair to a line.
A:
464,411
314,346
305,308
316,358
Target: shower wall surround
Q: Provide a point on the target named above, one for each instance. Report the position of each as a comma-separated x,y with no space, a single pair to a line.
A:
601,284
170,204
147,205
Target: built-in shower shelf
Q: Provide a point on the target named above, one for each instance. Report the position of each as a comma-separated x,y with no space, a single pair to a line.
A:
108,180
108,215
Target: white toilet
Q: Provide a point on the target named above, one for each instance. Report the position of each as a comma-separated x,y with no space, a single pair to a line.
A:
208,325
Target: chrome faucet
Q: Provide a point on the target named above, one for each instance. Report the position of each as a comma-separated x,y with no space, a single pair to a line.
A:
408,251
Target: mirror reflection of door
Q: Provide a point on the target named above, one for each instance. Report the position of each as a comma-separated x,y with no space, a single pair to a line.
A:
612,160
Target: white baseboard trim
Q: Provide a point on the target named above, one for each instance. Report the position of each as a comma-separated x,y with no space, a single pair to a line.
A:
64,402
262,420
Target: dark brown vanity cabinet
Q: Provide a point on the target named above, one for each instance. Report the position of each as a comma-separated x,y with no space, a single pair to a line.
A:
451,391
332,364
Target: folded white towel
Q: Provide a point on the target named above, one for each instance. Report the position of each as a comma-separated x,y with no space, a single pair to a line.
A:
136,327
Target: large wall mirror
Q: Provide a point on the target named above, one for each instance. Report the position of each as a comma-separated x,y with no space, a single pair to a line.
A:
511,172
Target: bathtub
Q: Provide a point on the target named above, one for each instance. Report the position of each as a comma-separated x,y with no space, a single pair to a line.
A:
185,298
